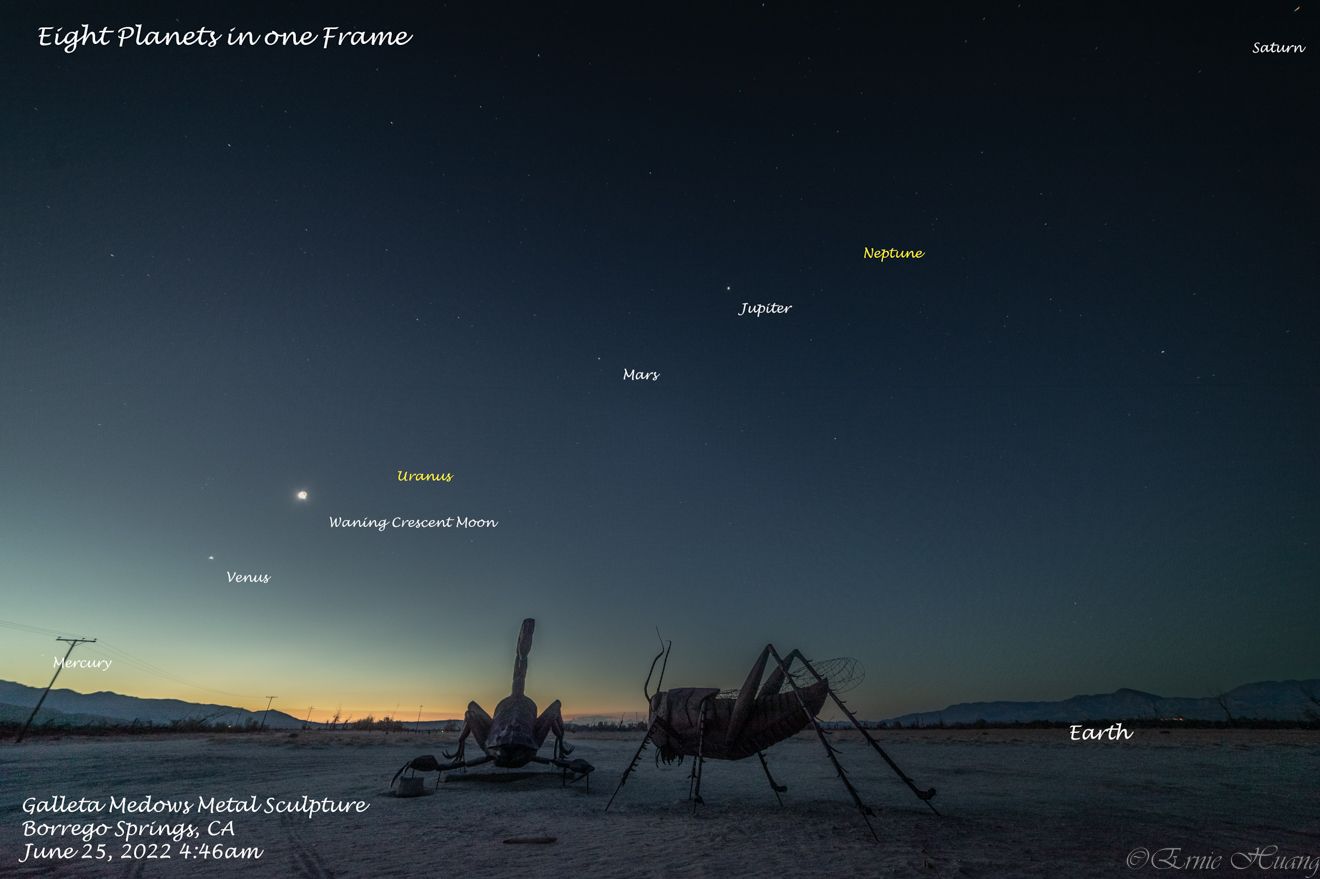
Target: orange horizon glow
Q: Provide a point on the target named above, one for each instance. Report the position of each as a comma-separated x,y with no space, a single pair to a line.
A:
348,716
317,713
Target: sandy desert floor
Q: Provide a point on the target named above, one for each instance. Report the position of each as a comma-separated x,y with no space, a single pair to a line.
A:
1014,803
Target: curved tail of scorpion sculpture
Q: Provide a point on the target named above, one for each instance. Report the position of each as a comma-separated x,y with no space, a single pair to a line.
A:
511,738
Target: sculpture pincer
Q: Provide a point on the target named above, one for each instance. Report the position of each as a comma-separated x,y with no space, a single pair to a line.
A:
512,737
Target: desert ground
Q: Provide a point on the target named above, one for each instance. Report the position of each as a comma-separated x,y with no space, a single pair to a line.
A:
1014,803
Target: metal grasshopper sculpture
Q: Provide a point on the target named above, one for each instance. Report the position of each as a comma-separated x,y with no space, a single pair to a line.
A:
706,723
511,738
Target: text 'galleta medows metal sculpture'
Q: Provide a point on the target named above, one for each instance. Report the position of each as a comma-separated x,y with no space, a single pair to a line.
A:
705,722
512,737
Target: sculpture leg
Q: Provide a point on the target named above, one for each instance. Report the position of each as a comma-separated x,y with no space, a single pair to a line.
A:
646,740
551,721
830,751
777,788
476,723
924,795
430,764
694,784
573,770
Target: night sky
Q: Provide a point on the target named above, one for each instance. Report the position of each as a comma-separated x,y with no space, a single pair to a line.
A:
1073,448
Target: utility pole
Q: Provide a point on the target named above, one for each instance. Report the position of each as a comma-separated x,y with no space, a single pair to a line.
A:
419,715
269,699
308,722
73,642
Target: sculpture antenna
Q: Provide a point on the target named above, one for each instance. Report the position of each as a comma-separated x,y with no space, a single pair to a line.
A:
664,652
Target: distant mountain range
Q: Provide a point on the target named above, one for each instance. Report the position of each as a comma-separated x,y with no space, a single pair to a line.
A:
1265,700
67,708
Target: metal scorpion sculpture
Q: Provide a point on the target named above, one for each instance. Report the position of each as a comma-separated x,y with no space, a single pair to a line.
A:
705,723
513,736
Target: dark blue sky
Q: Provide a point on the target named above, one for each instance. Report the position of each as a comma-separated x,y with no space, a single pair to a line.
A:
1071,449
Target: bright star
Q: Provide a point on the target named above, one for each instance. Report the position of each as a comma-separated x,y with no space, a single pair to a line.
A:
302,495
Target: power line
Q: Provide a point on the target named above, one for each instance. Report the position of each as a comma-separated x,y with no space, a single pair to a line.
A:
24,627
73,642
143,665
121,655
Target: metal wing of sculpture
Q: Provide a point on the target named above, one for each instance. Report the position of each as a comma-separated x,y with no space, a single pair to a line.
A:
844,673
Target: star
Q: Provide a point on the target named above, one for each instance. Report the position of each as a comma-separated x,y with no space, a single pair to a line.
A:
302,495
210,558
